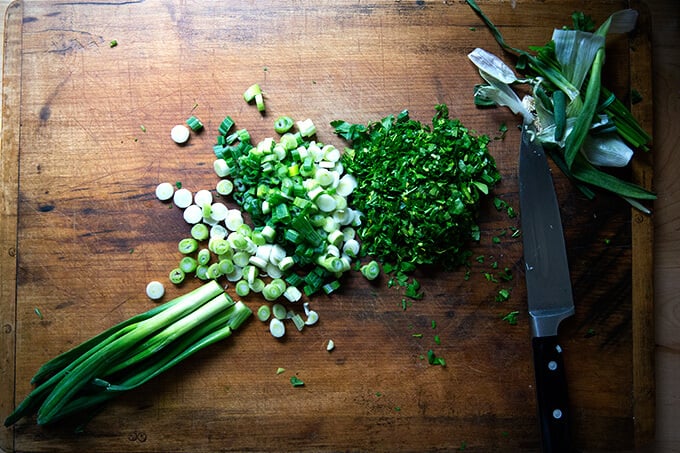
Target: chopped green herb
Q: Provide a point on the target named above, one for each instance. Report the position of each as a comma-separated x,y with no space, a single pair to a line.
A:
434,324
178,184
418,187
503,129
412,290
405,304
280,370
378,394
437,339
503,295
432,359
296,382
38,312
511,318
113,43
417,335
143,128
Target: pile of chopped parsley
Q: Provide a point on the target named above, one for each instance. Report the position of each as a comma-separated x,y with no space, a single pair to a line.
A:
419,187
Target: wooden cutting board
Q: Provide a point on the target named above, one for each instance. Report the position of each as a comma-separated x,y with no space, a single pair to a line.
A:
82,232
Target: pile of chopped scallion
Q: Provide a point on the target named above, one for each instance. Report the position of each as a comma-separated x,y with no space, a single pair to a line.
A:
293,234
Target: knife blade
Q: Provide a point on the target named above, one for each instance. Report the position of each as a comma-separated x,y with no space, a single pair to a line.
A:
549,291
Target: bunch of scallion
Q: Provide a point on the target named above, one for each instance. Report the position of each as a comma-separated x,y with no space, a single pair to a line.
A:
75,385
583,126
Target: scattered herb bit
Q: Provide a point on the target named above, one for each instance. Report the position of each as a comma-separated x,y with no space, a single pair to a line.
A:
496,240
417,335
296,382
434,324
280,370
178,184
378,394
437,339
503,129
511,318
143,128
412,290
503,295
38,312
463,446
480,259
405,304
419,187
113,43
432,359
490,277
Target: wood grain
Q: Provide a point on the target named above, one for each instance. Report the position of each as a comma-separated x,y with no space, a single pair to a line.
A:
90,233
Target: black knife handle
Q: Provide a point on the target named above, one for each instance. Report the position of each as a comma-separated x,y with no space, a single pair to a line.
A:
552,397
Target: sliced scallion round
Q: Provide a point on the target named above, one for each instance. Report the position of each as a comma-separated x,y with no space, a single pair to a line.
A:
193,214
165,191
279,311
176,276
182,198
263,313
187,245
180,134
277,328
155,290
283,124
200,232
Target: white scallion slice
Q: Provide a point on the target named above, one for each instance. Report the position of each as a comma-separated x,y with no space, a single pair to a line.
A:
183,198
180,134
219,211
292,294
193,214
203,197
155,290
165,191
224,187
312,318
346,185
330,345
326,202
277,328
221,168
218,232
233,220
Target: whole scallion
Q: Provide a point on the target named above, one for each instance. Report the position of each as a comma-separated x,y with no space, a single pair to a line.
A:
78,382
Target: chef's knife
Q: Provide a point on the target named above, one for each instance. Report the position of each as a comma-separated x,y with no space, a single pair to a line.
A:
548,289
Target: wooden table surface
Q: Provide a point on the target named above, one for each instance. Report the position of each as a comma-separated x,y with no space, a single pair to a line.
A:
664,32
